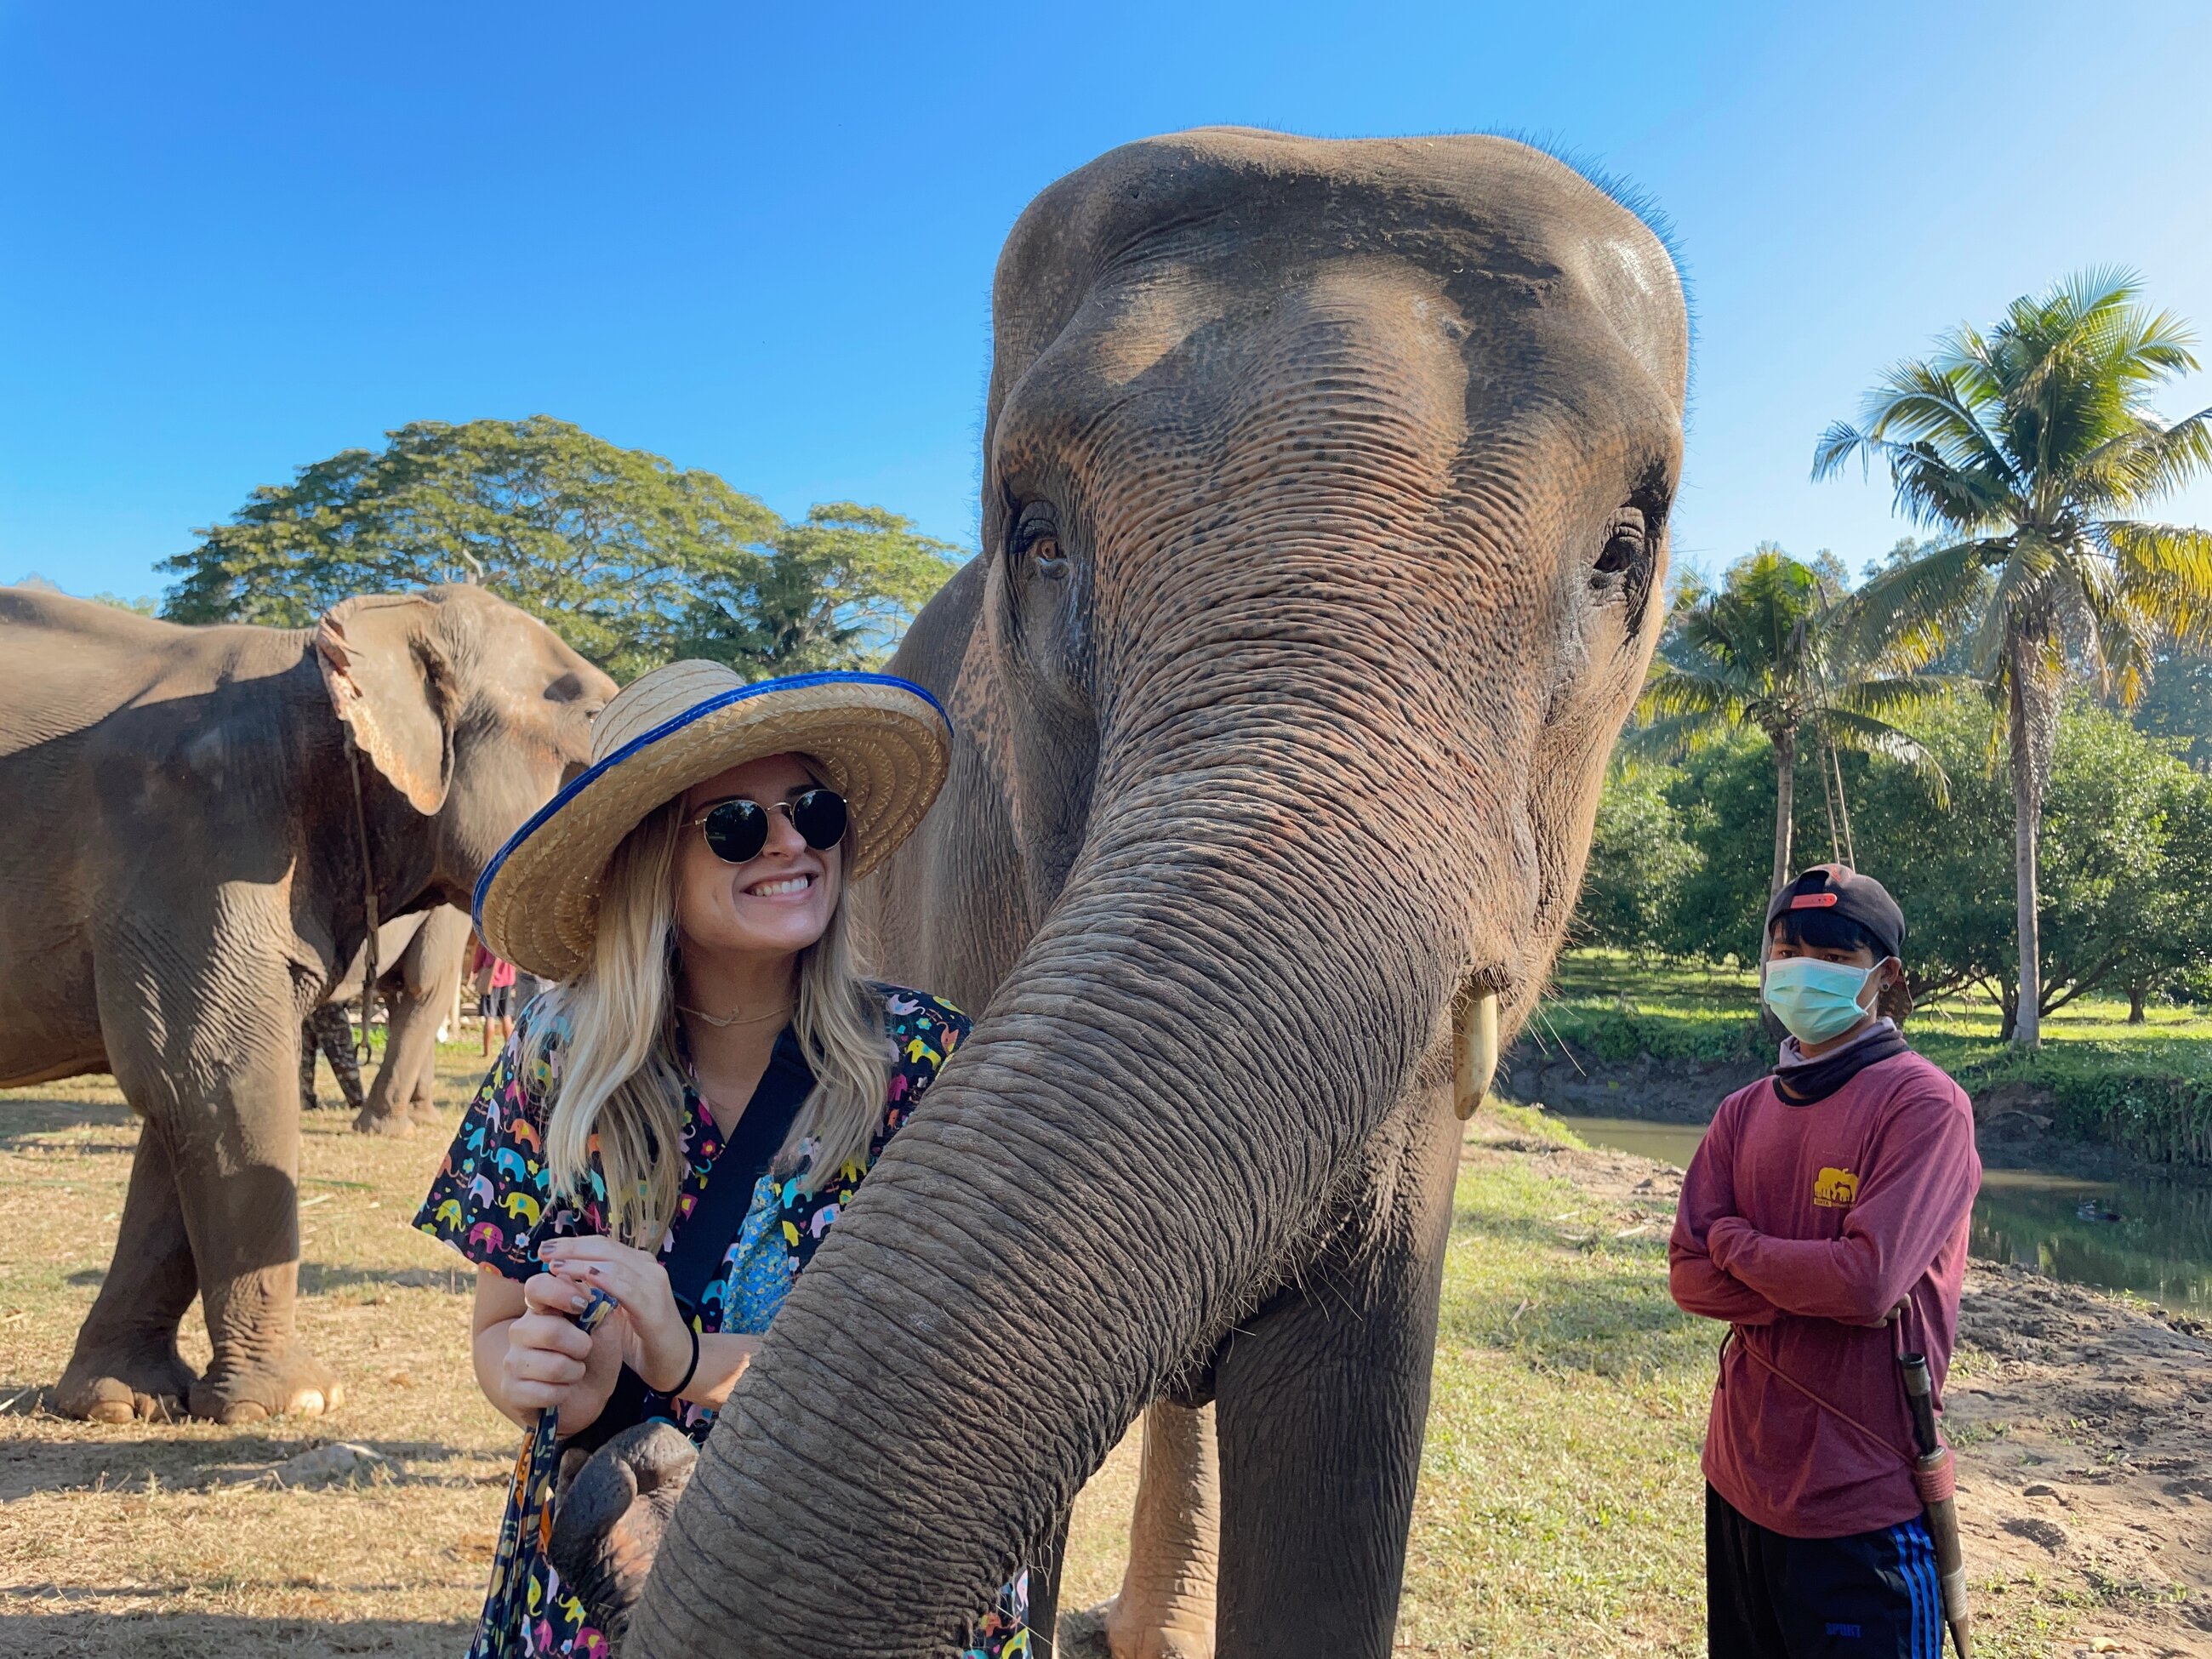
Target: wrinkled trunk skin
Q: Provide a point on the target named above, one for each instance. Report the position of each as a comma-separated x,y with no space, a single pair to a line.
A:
1061,1152
1290,728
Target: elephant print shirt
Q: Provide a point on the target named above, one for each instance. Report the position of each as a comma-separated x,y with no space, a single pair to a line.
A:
493,1200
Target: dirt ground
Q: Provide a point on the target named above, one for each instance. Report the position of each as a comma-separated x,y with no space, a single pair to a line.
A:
2083,1428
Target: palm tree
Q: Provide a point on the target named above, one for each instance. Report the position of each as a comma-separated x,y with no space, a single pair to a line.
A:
1772,649
2035,448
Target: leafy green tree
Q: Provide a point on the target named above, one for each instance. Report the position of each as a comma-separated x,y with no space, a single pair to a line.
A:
1639,861
2179,705
635,562
2119,815
1767,650
2035,448
607,544
836,591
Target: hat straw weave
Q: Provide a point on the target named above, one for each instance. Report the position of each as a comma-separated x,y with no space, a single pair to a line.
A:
882,743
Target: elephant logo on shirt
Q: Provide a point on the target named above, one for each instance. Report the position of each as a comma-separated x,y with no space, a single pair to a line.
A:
1835,1189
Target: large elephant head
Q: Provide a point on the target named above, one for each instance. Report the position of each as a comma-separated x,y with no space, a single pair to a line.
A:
1325,505
472,710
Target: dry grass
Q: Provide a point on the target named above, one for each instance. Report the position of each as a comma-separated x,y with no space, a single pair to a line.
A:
1558,1514
171,1538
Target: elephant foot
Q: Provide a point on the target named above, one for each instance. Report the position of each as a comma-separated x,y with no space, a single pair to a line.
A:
397,1125
126,1388
1116,1630
295,1385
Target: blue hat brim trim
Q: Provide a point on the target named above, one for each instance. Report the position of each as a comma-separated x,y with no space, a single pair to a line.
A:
644,740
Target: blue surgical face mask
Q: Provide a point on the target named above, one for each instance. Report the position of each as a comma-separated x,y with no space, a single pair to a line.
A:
1815,999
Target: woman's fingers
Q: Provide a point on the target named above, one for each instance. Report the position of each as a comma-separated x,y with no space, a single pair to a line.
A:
546,1293
544,1365
550,1334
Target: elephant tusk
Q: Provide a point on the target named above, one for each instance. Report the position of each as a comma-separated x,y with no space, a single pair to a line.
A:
1474,1051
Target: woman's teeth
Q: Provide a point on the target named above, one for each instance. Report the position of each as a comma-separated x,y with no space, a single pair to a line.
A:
778,889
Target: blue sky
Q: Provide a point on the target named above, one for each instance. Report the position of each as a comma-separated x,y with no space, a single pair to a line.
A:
236,238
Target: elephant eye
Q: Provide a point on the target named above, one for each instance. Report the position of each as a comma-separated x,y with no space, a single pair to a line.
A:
1035,539
1625,544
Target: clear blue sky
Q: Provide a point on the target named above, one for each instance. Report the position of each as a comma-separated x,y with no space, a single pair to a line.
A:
234,238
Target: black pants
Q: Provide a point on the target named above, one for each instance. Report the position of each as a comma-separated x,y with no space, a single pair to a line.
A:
1869,1595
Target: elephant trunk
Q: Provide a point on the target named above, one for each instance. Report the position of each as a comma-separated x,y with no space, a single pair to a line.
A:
1247,966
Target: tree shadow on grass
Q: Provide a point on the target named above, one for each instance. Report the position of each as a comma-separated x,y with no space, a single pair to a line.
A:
76,1459
96,1635
319,1279
24,1119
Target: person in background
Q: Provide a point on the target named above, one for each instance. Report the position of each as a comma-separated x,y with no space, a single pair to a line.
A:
1824,1216
328,1029
495,982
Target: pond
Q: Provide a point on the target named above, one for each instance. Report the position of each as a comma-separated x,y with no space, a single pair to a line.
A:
2149,1235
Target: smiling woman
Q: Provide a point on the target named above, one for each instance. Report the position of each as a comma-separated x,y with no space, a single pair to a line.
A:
670,1133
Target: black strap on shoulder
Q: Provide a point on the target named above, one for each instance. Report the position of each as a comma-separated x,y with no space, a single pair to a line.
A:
704,1236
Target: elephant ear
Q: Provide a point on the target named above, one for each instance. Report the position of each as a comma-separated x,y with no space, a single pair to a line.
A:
611,1514
394,689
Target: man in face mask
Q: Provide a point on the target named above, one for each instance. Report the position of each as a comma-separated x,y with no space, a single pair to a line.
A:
1825,1217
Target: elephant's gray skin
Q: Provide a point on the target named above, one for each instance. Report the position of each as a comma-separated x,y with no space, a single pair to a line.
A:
1324,491
419,964
180,880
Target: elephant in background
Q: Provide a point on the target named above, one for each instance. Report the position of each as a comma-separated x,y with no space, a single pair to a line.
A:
419,960
1325,493
189,820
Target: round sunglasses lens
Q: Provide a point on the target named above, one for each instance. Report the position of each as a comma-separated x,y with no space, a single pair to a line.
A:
819,815
736,831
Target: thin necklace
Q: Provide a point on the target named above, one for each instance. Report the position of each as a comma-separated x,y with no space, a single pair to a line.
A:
721,1023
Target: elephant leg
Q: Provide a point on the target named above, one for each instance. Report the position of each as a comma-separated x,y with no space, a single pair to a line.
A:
1165,1608
238,1181
1321,1402
125,1363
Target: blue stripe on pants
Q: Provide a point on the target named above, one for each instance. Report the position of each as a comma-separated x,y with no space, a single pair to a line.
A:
1916,1560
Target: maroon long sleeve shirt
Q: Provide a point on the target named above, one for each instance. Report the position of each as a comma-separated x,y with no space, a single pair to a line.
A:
1802,1226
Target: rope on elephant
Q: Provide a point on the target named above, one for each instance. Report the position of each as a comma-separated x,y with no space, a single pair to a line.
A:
367,892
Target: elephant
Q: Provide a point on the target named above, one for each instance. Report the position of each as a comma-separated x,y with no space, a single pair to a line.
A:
1324,503
419,963
193,819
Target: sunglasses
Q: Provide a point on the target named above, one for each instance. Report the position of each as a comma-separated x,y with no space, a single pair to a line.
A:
737,829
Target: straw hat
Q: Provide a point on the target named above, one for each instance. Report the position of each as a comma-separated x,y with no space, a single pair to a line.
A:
882,742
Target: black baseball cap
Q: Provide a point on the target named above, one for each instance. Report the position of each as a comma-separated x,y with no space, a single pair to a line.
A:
1842,891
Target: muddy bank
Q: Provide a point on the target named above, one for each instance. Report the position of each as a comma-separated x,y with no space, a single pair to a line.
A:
2014,1121
2083,1426
1565,1078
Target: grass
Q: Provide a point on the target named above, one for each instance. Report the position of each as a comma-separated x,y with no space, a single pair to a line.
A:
1558,1512
2146,1089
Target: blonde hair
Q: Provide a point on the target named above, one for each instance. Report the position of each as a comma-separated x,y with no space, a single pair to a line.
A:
619,1090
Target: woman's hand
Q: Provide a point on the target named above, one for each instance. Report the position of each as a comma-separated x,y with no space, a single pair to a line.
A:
551,1363
655,1338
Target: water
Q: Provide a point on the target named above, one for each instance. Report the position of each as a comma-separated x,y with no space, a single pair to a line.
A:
2160,1246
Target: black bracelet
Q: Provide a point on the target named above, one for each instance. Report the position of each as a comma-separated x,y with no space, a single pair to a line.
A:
691,1370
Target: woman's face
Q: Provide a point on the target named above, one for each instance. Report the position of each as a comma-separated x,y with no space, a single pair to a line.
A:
776,904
